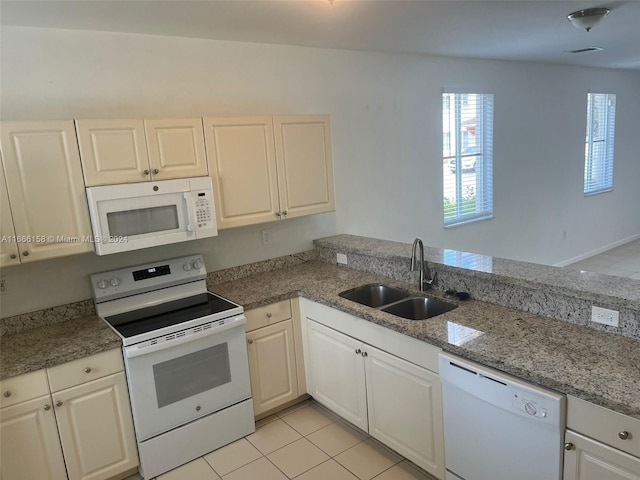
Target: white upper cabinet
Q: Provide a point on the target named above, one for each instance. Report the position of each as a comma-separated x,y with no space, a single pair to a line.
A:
270,168
305,164
134,150
45,189
8,246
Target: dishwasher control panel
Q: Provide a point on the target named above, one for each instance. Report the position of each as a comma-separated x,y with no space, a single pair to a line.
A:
530,405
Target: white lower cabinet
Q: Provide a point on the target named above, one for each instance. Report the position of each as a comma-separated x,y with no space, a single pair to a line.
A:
274,347
396,401
600,444
29,443
84,424
94,421
587,459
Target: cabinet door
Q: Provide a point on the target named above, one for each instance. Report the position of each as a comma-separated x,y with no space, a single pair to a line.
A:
44,181
336,368
176,148
242,164
405,409
272,366
8,245
305,164
96,430
30,444
113,151
592,460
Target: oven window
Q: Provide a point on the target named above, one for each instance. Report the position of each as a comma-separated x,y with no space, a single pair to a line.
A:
143,220
190,374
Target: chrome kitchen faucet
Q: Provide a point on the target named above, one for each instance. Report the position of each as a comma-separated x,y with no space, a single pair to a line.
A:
426,280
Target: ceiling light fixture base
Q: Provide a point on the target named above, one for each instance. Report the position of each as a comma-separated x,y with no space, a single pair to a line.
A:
586,19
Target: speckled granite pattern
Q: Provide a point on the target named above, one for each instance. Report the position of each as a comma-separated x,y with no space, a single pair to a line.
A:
39,318
243,271
596,366
54,344
553,292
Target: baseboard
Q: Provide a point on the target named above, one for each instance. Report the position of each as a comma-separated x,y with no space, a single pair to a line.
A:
597,251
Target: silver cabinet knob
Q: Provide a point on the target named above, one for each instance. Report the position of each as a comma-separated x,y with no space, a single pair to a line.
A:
146,172
284,212
87,370
569,446
13,256
364,354
278,214
47,407
155,171
624,435
250,341
358,351
269,315
7,394
25,254
59,403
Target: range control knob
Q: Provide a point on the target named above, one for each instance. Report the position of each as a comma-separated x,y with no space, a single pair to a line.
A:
197,264
530,409
102,284
115,281
187,267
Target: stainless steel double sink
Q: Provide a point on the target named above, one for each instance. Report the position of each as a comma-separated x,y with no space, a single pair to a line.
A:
397,302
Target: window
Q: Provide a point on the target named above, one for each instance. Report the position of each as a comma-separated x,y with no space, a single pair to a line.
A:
598,151
467,153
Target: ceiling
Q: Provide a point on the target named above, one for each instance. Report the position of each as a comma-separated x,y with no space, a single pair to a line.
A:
519,30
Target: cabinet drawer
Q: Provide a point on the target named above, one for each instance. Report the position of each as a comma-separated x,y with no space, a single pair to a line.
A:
603,425
85,369
23,387
268,315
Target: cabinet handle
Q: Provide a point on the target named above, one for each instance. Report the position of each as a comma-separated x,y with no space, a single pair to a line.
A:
13,256
87,370
250,341
278,214
358,351
25,254
269,315
284,212
146,172
59,403
7,394
569,446
624,435
364,354
47,407
155,171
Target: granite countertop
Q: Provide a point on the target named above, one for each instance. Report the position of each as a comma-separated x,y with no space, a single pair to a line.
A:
54,344
596,366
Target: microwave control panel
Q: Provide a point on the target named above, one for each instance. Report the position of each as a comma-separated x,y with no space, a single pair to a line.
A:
203,209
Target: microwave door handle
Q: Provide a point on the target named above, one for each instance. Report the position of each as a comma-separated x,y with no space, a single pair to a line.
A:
190,211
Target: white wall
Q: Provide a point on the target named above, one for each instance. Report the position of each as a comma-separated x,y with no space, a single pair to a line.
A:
386,127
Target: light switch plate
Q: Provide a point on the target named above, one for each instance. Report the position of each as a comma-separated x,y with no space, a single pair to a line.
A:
341,258
604,316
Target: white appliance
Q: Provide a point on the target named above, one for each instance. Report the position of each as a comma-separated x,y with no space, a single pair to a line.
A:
497,427
140,215
185,357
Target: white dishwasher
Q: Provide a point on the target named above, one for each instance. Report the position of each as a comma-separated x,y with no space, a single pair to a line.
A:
498,427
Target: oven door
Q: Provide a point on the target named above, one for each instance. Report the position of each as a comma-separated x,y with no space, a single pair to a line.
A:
187,375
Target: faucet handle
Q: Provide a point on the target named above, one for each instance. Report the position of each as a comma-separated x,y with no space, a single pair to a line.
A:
431,280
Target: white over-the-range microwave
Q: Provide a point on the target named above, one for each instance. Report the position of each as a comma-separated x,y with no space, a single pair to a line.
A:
139,215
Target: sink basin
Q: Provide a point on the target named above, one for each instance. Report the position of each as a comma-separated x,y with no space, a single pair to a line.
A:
419,308
374,295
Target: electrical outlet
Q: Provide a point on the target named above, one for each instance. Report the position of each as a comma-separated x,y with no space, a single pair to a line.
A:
266,236
604,316
341,258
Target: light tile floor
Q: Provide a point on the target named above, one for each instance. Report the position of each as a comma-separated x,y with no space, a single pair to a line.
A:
622,261
305,442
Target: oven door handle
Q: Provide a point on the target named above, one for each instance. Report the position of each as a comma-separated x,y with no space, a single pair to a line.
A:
138,350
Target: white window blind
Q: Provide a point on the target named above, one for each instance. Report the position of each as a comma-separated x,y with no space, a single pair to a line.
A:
467,156
598,152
